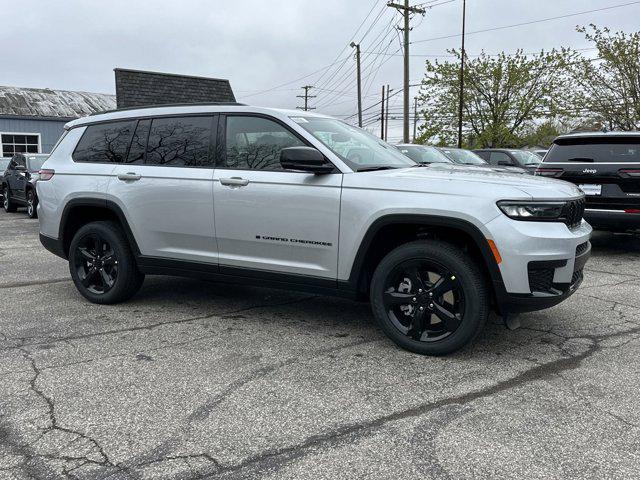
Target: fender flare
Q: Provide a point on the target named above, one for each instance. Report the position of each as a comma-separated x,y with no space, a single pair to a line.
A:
428,221
99,203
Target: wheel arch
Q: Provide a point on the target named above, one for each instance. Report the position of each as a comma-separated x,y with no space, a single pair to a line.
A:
391,231
80,211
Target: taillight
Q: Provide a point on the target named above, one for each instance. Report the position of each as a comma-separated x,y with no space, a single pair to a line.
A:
549,172
629,172
45,174
632,210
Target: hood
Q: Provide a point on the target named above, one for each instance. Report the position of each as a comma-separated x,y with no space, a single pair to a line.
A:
469,181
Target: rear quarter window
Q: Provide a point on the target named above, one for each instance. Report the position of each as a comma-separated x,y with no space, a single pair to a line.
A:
105,142
593,150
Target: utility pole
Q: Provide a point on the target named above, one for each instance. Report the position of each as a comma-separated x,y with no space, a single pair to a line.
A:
386,115
415,117
382,116
461,103
406,11
306,97
357,47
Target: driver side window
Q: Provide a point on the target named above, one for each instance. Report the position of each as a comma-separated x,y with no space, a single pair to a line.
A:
254,143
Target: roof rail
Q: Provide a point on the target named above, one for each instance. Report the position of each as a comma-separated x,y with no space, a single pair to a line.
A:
160,105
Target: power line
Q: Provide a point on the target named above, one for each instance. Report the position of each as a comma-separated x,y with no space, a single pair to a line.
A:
352,38
292,81
340,80
530,22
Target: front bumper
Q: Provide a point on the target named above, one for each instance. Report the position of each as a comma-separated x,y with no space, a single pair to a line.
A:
555,294
527,247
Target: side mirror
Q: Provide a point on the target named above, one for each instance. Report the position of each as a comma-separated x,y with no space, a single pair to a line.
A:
305,159
20,168
505,163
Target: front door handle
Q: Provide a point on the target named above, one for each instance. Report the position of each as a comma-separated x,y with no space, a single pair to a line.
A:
129,177
234,182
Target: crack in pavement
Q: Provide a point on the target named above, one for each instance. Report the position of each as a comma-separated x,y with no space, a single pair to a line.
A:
54,425
24,343
203,412
275,459
34,283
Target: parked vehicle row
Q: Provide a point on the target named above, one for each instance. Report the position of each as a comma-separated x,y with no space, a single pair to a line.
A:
18,181
523,159
303,201
604,165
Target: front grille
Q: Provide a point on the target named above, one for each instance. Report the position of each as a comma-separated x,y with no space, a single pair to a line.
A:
580,249
573,212
540,279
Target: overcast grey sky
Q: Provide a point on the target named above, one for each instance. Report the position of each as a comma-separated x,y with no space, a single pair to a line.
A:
257,45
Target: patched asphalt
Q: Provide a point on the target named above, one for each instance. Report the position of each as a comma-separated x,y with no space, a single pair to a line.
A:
202,380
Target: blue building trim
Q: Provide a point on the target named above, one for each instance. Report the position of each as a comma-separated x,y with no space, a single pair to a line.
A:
49,129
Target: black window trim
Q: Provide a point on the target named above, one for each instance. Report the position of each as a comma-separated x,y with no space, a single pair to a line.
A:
221,144
212,140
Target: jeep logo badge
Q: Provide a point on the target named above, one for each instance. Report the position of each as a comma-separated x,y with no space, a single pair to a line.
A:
590,170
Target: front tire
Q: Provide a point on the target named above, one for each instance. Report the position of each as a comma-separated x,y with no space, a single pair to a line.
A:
8,204
32,204
102,264
430,297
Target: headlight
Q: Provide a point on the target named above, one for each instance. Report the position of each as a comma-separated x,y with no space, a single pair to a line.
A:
535,211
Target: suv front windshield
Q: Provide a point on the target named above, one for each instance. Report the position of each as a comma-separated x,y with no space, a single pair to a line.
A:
526,158
357,148
465,157
424,154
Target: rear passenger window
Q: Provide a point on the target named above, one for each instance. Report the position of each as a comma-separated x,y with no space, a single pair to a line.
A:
254,143
139,142
180,142
104,143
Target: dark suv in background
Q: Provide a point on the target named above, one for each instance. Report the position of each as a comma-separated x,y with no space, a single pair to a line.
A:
510,158
606,167
18,182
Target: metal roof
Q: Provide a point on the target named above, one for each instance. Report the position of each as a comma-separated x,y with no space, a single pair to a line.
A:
46,103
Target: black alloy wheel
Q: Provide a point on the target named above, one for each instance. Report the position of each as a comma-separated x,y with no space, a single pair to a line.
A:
424,300
102,264
96,263
32,204
430,297
7,203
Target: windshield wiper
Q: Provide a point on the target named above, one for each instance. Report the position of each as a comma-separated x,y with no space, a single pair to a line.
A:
581,159
379,167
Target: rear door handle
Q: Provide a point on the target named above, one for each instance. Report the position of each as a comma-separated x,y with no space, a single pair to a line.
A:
234,182
129,177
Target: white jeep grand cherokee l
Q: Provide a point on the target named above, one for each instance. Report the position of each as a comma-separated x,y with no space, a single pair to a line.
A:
303,201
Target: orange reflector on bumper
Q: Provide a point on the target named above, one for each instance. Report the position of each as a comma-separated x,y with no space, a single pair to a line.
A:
494,250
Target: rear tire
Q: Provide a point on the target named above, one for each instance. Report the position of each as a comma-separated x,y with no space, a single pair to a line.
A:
102,264
430,297
32,204
8,204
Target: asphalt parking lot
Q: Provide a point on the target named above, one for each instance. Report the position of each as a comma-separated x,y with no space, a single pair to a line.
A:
200,380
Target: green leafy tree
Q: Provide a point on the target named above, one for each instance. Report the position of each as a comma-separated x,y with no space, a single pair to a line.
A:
504,96
607,89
